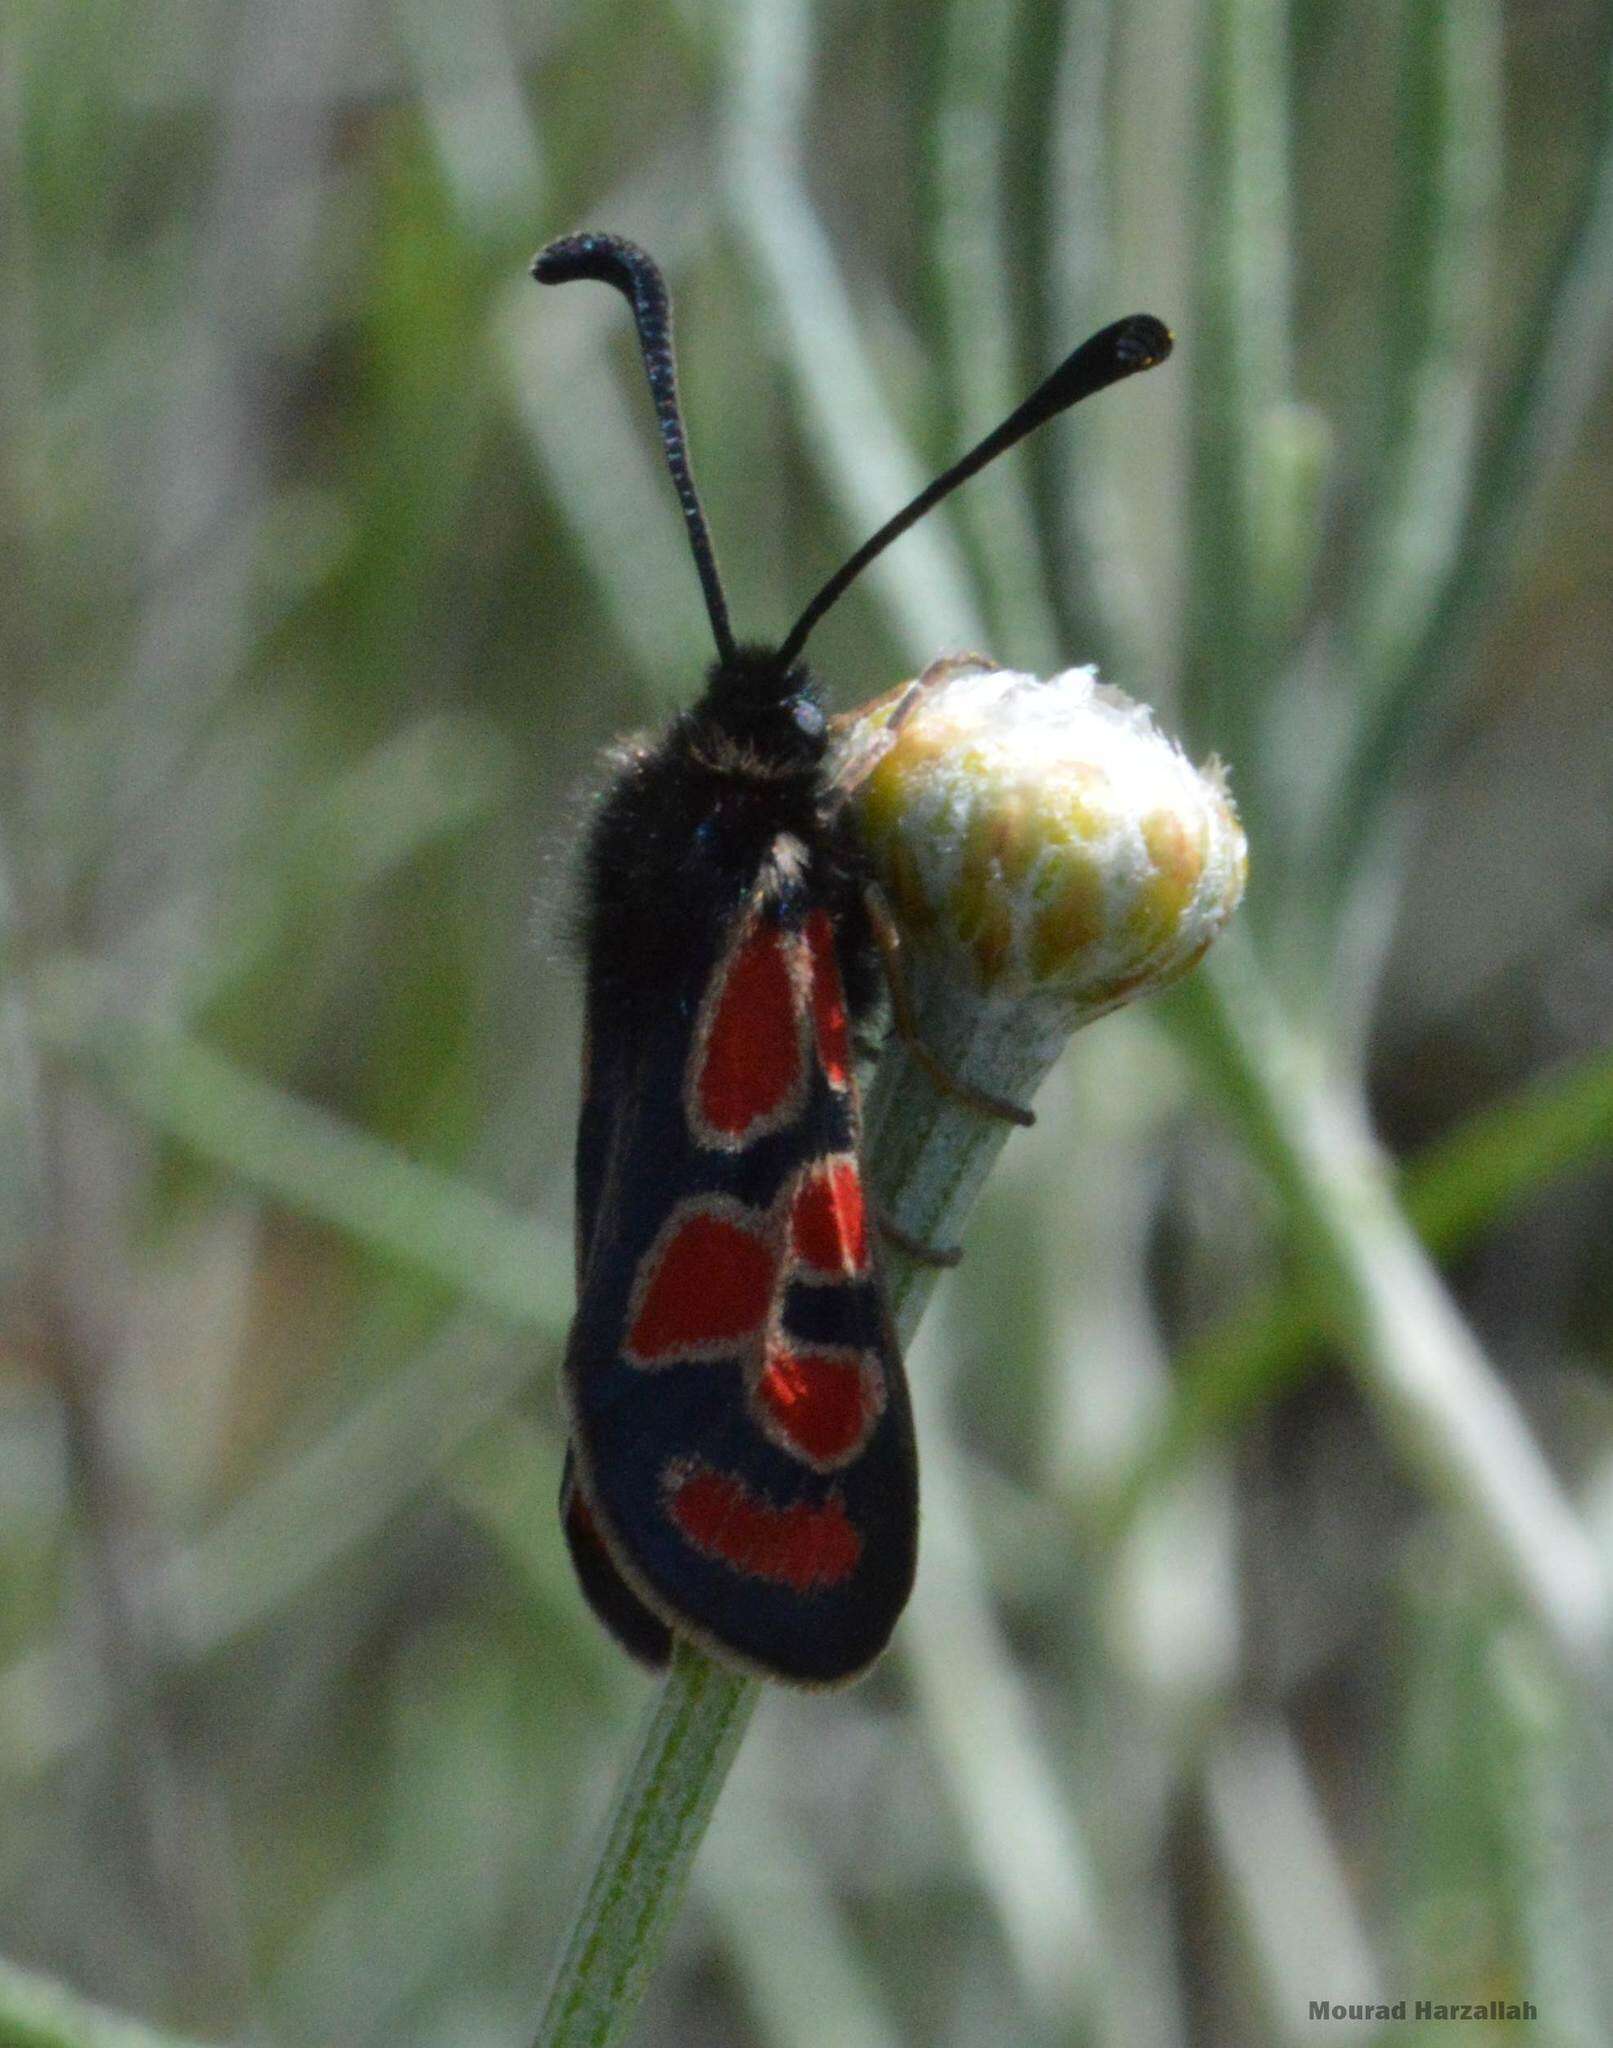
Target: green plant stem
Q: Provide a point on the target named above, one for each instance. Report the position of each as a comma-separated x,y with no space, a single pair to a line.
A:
689,1739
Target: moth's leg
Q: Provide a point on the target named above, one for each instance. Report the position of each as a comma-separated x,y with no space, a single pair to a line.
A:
916,1249
910,695
855,768
889,942
858,763
956,665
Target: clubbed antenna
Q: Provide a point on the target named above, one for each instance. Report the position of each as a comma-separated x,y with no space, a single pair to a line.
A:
613,261
1133,344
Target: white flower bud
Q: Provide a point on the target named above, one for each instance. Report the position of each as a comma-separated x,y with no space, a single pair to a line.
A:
1045,841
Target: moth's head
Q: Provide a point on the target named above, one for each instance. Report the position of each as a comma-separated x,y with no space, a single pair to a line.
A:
760,715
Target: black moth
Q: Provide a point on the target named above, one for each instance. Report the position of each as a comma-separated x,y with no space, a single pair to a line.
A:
742,1470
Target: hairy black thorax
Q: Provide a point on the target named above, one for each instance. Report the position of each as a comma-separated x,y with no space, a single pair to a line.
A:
733,796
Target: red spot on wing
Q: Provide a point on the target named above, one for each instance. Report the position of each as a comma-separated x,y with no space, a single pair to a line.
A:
829,1019
800,1546
817,1399
710,1286
829,1220
748,1053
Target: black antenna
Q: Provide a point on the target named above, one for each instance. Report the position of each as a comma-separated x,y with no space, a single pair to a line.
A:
1133,344
613,261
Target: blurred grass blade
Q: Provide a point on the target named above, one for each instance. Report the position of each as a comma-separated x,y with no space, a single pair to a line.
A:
36,2012
312,1510
1560,368
759,1874
1551,1896
1022,1834
1441,264
1239,348
971,150
430,781
1436,1396
304,1157
1462,1184
1448,163
924,583
1471,1178
1287,1875
1093,585
481,123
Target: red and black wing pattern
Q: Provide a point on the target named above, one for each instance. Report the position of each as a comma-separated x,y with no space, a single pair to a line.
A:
743,1466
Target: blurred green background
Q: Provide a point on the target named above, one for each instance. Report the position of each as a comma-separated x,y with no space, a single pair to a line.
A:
1261,1651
